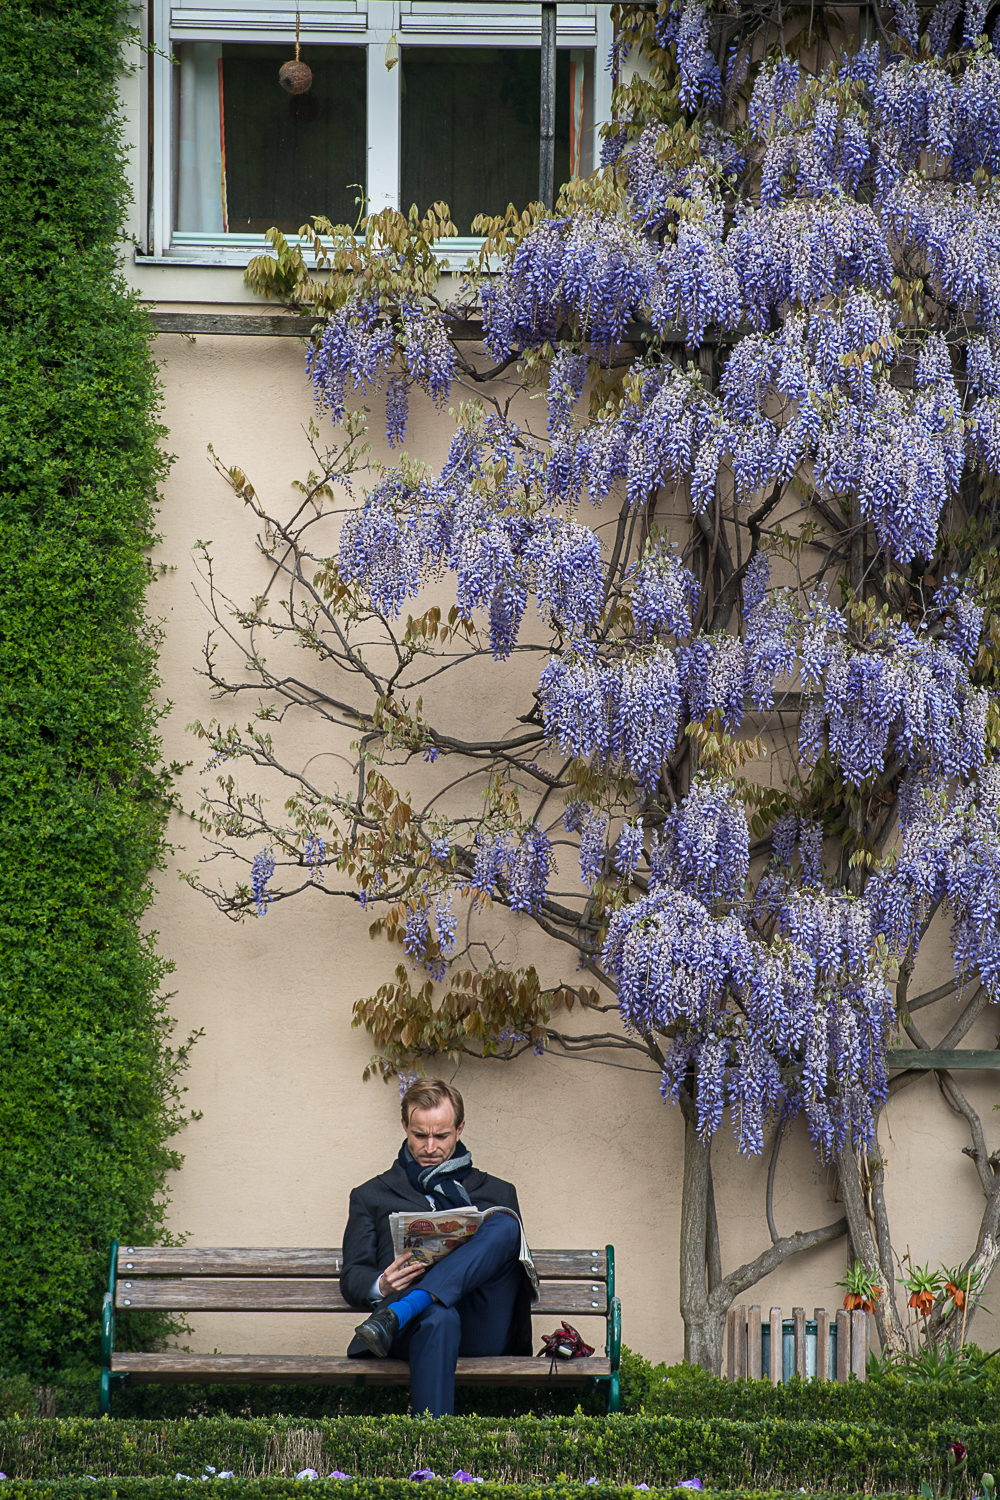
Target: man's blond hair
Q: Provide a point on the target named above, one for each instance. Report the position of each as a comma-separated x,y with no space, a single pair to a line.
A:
428,1093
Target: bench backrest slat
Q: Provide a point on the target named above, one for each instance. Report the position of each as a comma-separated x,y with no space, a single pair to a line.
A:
311,1294
172,1260
169,1260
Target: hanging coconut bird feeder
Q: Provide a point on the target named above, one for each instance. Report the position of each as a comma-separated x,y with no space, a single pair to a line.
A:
295,76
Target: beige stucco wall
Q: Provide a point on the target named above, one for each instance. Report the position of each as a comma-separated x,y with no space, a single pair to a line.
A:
286,1126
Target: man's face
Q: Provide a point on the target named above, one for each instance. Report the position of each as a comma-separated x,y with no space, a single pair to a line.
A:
432,1134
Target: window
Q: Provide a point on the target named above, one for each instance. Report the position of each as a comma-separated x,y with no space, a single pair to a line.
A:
250,155
470,123
456,119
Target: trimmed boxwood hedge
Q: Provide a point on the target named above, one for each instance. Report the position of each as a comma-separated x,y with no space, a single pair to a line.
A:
365,1489
689,1391
86,1108
677,1390
659,1451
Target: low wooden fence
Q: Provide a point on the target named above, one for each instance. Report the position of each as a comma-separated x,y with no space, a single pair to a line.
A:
822,1347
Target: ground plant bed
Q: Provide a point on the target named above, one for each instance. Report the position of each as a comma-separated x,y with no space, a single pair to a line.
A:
348,1489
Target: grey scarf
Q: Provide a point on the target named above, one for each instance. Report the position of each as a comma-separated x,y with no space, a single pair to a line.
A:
442,1183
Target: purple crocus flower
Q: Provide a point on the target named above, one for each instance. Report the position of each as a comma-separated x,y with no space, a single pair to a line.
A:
423,1474
689,1484
307,1474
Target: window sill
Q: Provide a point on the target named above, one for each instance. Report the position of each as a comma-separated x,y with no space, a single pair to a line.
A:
236,251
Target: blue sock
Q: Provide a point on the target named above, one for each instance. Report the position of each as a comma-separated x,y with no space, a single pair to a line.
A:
414,1302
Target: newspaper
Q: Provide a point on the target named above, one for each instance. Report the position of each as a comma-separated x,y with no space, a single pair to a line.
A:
432,1235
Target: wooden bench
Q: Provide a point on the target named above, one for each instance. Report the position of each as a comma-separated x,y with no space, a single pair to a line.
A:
578,1283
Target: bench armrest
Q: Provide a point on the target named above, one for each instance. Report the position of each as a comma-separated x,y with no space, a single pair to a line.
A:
614,1344
108,1309
107,1330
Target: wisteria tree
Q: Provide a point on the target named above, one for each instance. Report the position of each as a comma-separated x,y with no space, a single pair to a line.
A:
761,519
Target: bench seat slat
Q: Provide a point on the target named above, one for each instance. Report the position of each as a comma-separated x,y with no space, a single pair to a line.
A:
175,1368
311,1294
183,1260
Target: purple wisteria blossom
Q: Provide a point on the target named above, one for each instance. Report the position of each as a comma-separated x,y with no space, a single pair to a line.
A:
315,855
781,1044
518,863
665,595
628,852
592,826
260,875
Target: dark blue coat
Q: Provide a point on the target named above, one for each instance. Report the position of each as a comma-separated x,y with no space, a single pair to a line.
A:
368,1242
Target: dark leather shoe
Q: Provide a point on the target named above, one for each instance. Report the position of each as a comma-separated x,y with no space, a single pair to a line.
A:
378,1331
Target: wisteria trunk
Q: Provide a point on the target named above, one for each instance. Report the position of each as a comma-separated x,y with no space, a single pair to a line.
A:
704,1325
886,1313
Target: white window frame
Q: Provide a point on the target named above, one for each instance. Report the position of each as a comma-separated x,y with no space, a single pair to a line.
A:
368,23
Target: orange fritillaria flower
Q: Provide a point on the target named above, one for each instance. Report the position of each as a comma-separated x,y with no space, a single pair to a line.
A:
922,1301
858,1299
955,1293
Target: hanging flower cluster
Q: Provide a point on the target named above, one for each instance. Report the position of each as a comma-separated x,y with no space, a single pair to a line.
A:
519,860
592,826
950,852
897,692
484,526
623,715
260,876
591,271
797,1023
369,341
913,696
665,595
417,932
356,346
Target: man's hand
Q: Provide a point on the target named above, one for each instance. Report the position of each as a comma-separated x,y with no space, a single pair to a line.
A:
403,1272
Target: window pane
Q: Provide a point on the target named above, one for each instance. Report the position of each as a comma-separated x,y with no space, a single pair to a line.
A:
289,156
470,127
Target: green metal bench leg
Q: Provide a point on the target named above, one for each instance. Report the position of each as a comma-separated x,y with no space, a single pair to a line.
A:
110,1380
613,1345
108,1332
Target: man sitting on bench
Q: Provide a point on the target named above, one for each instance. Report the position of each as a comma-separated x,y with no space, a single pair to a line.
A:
474,1302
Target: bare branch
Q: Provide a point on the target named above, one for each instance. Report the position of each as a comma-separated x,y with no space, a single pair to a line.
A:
769,1260
977,1151
966,1020
931,997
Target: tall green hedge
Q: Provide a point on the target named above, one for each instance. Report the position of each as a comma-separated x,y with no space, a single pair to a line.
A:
85,1084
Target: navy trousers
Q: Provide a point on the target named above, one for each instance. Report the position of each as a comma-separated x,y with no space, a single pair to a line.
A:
475,1289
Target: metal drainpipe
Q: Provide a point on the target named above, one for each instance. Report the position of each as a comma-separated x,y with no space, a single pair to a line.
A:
547,140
